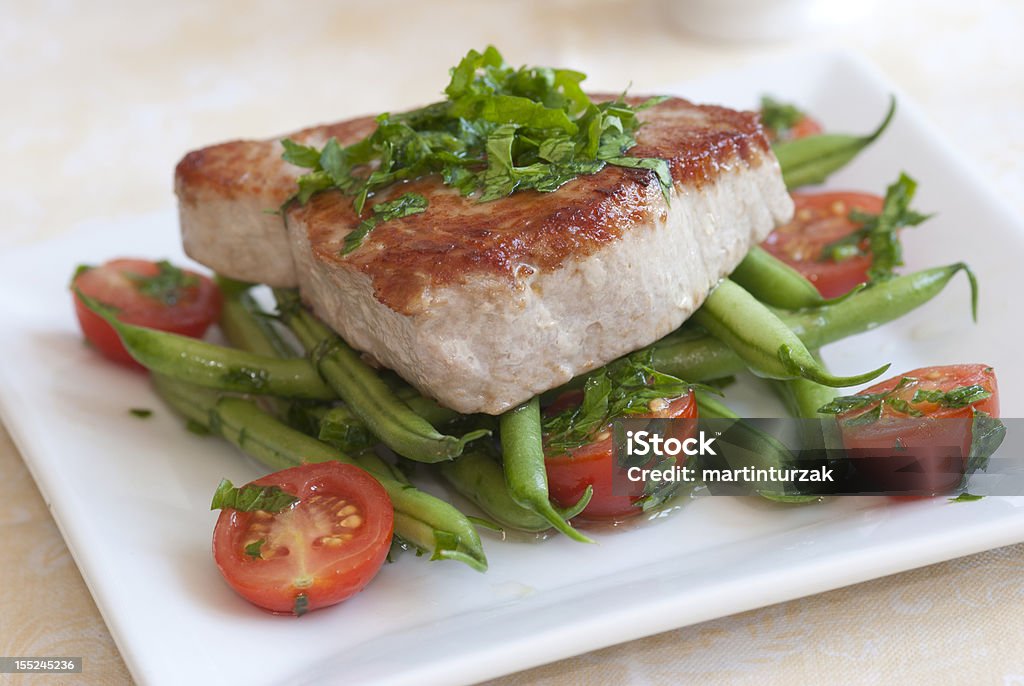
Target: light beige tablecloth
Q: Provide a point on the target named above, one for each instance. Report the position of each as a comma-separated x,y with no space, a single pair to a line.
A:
100,100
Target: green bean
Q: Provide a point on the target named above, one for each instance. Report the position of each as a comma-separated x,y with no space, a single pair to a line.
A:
744,443
376,465
421,519
425,407
880,302
774,282
245,325
698,358
342,429
802,397
479,477
214,366
762,340
369,398
811,160
523,456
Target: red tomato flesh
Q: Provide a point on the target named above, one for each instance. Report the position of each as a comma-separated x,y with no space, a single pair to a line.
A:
593,464
323,549
806,126
818,220
117,282
921,455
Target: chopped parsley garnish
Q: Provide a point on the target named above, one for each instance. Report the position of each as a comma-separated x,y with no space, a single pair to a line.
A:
965,498
958,397
140,412
623,388
250,498
499,130
779,117
877,235
301,605
168,285
961,396
255,549
402,206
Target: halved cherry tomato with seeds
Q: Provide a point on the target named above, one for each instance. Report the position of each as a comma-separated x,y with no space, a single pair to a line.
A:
156,295
593,464
321,550
820,219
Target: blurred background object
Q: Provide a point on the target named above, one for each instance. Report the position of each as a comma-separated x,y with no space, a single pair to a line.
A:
765,20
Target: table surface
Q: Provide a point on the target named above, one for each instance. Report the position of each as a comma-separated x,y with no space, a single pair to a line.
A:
102,98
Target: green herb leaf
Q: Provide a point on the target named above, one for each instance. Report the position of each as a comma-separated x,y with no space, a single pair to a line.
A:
301,605
403,206
965,498
878,234
958,397
195,427
500,130
658,166
962,396
141,412
300,155
168,285
623,388
254,548
987,434
779,117
249,498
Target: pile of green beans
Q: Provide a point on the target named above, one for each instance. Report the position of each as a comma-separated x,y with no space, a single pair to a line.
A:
262,364
762,340
369,398
702,358
421,519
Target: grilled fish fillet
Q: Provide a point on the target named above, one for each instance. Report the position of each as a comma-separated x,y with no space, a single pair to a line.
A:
483,305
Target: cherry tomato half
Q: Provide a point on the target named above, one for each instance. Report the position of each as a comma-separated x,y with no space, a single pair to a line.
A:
151,294
918,447
593,464
320,551
806,126
820,219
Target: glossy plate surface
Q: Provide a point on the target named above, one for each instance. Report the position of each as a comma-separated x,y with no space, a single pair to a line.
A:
131,495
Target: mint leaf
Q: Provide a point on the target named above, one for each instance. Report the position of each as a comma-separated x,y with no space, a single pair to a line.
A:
779,117
987,434
301,605
300,155
965,498
168,285
878,234
254,549
500,130
250,498
402,206
958,397
620,389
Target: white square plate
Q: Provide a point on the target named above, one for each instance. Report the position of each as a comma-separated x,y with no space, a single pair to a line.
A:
131,496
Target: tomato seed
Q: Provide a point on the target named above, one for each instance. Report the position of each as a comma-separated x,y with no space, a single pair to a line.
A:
346,511
352,521
658,405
